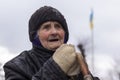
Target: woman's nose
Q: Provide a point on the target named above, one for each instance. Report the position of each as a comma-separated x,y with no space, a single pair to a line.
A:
53,30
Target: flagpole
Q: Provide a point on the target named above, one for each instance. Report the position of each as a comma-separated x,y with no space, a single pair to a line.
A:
92,40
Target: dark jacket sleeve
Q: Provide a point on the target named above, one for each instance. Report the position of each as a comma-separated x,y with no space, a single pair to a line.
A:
49,71
12,72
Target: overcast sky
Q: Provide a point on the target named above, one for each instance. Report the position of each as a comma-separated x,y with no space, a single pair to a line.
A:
15,14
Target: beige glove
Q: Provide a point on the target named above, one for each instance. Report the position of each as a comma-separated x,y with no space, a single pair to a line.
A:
75,68
65,56
79,65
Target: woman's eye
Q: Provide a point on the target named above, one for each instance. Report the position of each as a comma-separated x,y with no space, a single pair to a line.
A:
58,26
46,27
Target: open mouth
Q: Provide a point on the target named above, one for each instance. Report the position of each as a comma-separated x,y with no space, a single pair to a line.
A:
53,40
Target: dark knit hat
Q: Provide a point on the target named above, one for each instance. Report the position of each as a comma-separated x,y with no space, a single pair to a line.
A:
42,15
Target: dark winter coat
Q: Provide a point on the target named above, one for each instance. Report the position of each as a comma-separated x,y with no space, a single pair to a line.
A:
35,64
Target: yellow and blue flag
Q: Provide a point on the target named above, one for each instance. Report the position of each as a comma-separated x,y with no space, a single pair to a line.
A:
91,19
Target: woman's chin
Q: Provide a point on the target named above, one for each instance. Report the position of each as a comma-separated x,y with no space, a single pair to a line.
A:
54,46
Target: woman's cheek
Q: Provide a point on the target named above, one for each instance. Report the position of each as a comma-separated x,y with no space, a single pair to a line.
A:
44,35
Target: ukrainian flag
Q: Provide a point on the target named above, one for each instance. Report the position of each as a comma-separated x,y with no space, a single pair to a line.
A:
91,19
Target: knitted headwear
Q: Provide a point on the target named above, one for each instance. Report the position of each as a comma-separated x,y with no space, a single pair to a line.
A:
42,15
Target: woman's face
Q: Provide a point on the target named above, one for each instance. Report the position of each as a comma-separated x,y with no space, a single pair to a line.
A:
51,35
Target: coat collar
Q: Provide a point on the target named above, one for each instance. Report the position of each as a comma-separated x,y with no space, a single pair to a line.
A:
41,51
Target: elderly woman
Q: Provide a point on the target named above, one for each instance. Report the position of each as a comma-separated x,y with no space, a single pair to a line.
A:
50,57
